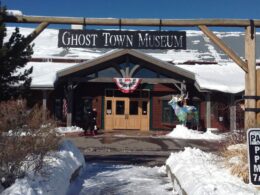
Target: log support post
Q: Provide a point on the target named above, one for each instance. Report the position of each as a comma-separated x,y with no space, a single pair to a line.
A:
232,112
208,111
69,96
250,77
36,32
44,105
229,52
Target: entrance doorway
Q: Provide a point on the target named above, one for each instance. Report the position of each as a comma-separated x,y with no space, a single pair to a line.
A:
127,113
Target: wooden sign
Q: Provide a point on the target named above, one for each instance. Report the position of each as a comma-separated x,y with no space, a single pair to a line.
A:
253,139
122,39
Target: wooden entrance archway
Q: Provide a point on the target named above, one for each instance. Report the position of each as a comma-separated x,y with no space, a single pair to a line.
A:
248,65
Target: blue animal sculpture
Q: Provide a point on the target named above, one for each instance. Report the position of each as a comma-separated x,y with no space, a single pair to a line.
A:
184,113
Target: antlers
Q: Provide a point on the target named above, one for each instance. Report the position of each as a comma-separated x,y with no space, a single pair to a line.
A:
180,98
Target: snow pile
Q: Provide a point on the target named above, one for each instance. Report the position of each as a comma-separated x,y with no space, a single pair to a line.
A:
60,167
182,132
14,12
237,147
198,173
72,129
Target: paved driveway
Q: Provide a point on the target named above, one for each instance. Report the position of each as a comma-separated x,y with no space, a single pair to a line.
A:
135,148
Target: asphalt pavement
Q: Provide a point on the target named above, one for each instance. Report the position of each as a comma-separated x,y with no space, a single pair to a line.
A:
135,147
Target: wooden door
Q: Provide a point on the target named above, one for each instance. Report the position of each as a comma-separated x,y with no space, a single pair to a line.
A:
144,115
126,113
109,113
133,120
120,113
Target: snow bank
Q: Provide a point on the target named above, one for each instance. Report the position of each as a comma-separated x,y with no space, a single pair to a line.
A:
14,12
237,147
60,167
198,173
182,132
72,129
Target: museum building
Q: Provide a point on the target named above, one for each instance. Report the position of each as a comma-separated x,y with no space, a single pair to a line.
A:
131,88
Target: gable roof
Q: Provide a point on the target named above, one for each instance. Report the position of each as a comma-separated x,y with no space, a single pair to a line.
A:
100,63
224,76
199,47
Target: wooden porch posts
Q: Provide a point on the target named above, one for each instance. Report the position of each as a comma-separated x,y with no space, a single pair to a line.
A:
232,113
250,78
69,97
44,105
208,111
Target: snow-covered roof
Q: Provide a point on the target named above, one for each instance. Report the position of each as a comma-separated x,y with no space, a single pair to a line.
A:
14,12
224,76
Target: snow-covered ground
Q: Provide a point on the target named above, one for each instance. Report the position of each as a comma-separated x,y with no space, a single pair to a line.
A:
182,132
72,129
201,173
99,179
58,171
196,172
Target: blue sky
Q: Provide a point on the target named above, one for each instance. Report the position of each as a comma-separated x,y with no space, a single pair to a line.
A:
140,8
174,9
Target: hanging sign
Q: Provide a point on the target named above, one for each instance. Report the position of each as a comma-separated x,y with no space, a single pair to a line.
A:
253,139
127,85
122,39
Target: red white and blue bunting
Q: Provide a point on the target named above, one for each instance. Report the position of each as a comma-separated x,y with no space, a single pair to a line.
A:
127,85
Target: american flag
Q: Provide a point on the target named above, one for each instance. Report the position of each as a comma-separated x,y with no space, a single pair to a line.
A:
64,108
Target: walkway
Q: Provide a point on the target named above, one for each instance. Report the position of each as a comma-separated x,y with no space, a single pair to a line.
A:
135,147
106,179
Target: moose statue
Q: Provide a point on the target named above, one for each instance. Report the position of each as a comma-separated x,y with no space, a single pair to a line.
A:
184,112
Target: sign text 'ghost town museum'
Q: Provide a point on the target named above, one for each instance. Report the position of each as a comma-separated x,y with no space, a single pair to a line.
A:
122,39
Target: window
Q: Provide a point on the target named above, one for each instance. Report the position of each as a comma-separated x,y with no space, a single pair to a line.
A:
144,107
109,72
58,109
133,107
168,115
145,73
87,105
120,107
109,107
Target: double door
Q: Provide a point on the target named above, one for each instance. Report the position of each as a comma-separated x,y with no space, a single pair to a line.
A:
126,113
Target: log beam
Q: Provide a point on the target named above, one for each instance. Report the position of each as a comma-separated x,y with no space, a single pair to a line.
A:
131,21
250,76
229,52
36,32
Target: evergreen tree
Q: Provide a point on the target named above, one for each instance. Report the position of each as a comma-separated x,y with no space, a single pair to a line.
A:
14,55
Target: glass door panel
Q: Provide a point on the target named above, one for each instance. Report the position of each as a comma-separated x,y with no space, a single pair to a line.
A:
120,107
133,107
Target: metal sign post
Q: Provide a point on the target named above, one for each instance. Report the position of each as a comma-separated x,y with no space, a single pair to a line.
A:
253,140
